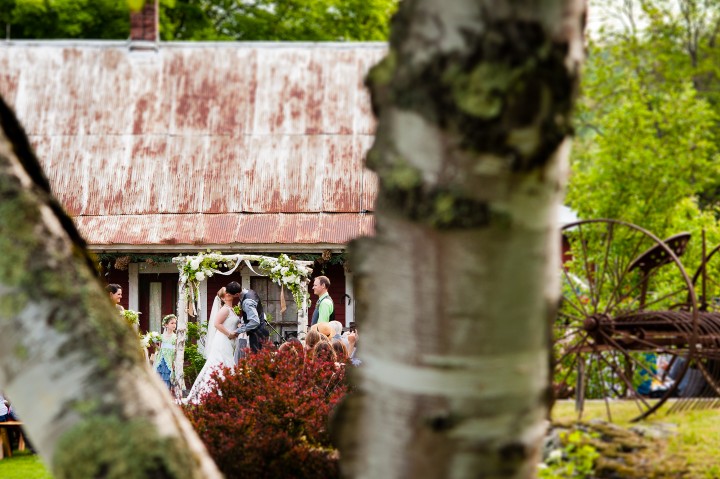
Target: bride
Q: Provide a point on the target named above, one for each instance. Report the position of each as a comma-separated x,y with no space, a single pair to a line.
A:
220,347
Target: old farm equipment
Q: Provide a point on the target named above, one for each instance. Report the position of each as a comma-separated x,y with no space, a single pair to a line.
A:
628,305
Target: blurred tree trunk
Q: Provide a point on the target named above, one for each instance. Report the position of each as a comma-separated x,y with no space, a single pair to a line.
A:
457,289
73,369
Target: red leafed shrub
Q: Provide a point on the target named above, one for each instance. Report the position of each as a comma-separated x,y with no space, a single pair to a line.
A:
269,419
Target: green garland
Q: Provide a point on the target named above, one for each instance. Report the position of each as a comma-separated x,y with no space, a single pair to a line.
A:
335,258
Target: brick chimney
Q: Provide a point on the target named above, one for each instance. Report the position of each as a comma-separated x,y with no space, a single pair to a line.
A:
144,26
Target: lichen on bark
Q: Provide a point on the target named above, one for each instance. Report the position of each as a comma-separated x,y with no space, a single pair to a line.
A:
73,365
507,95
111,448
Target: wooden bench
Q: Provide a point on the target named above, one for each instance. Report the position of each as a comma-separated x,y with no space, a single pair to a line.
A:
5,444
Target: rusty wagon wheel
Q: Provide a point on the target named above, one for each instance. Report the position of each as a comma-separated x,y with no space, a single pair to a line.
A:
706,280
627,305
703,376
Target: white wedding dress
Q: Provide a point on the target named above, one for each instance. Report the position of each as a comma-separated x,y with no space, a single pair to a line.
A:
220,353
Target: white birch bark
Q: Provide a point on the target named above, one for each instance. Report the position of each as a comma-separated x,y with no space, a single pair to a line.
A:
73,368
456,290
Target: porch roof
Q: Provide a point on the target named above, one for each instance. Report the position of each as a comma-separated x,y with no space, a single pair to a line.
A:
229,232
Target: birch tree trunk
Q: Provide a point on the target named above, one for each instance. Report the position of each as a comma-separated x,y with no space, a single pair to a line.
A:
75,370
457,289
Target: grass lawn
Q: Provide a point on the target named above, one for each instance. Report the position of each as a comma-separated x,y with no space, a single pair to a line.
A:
697,431
23,465
696,438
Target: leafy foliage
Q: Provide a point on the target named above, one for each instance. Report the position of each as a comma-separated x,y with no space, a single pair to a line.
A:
647,145
298,20
576,458
63,19
269,417
194,361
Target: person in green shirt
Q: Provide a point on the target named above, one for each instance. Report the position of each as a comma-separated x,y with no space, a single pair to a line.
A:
324,309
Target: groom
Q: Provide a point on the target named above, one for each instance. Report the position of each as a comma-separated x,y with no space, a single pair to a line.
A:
253,317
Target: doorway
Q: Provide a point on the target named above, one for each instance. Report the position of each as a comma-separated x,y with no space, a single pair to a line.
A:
157,297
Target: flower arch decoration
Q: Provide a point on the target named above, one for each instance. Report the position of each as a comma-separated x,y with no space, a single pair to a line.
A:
282,270
288,273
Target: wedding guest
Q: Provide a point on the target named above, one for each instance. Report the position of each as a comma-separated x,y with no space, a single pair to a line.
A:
292,346
6,412
115,292
313,337
352,338
165,355
324,351
340,351
326,329
338,330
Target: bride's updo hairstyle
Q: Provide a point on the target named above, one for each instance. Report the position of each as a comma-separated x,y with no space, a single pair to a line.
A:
221,293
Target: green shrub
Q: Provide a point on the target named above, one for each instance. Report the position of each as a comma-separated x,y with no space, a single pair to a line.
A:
575,460
194,361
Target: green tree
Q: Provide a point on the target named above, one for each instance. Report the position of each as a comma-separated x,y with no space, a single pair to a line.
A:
61,19
276,20
648,150
303,20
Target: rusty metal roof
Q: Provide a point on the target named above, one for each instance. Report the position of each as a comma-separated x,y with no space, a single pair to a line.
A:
200,143
227,231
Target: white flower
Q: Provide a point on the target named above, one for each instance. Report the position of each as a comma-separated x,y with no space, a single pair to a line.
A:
555,456
209,273
291,279
199,276
195,263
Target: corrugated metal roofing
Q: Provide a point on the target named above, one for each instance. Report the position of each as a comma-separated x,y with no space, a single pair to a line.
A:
139,145
233,230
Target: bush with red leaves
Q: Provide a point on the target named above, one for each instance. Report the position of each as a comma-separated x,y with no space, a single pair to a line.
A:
269,419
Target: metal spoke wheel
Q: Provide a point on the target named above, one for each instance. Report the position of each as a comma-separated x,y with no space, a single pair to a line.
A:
702,380
628,316
706,280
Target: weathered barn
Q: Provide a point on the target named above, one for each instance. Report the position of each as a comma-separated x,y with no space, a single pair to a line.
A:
159,149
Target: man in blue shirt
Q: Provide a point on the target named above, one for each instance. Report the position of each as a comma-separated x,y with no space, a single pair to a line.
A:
324,309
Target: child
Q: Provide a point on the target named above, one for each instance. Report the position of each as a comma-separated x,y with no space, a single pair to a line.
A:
165,355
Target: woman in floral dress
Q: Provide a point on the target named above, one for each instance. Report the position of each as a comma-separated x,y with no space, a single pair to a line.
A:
165,355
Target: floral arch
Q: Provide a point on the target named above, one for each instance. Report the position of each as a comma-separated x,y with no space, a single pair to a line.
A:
288,273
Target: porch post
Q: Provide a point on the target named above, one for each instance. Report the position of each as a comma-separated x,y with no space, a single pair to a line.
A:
303,310
178,384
